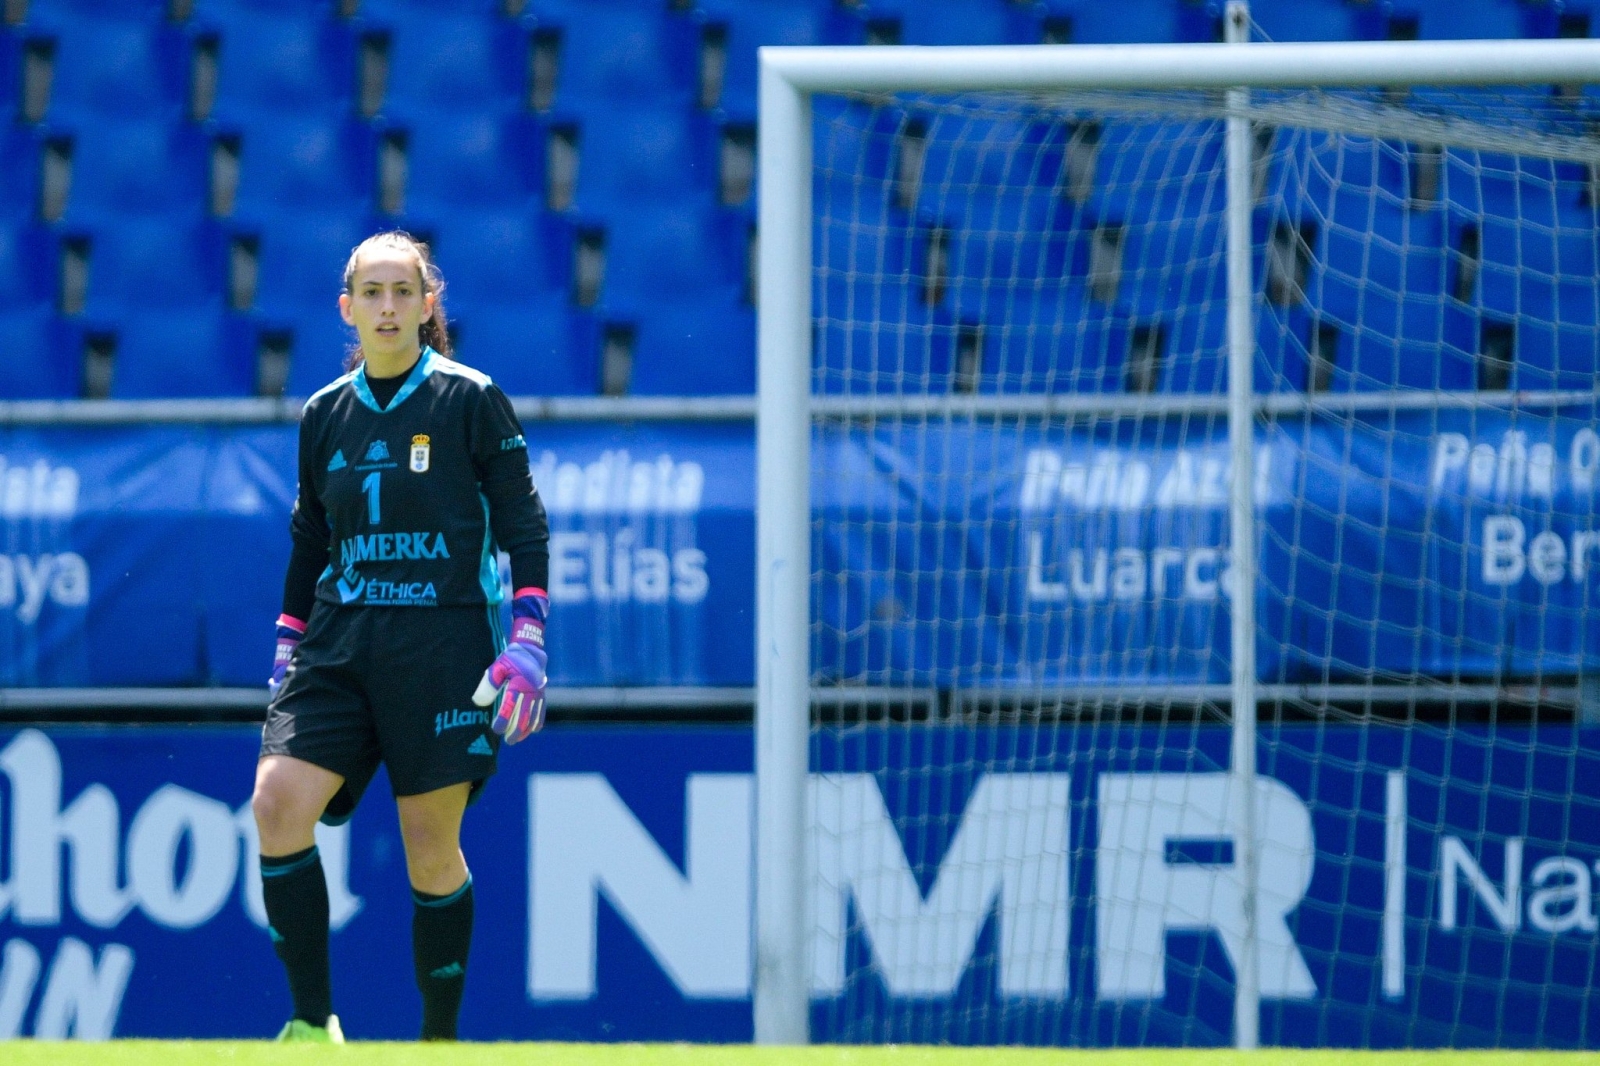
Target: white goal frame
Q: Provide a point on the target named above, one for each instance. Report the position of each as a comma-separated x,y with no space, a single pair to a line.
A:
788,78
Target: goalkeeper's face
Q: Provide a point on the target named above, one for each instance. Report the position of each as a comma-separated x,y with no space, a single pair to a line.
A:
386,303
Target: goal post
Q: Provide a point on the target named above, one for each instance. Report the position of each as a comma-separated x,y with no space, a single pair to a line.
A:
786,965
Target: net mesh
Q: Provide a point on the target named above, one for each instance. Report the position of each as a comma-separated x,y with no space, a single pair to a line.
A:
1022,570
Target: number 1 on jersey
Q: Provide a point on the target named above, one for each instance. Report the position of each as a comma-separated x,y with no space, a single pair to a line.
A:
370,487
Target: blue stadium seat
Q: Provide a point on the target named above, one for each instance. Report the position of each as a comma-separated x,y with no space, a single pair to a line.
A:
1195,357
304,165
620,52
19,173
1561,356
320,345
1283,353
658,257
205,10
279,62
880,338
853,135
28,265
56,12
1176,264
1383,276
698,345
1158,171
1519,188
1447,20
854,154
425,9
771,22
114,68
992,171
1556,321
137,168
10,72
852,239
139,263
538,346
44,359
1419,342
508,289
1124,22
299,278
1310,168
1194,350
198,353
1378,244
1538,106
502,256
954,21
478,160
461,63
644,154
1307,20
1000,249
1047,339
1562,246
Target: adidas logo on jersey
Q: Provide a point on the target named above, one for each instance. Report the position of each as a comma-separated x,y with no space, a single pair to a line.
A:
480,747
337,462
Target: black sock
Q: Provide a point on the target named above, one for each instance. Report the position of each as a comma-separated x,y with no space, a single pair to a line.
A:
441,935
296,895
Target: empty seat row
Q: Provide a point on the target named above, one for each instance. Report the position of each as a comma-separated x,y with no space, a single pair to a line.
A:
869,339
1008,176
427,169
1395,295
540,347
1034,171
237,58
237,61
886,339
489,256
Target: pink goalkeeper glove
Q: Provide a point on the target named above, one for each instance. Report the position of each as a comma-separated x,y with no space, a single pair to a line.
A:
290,630
515,681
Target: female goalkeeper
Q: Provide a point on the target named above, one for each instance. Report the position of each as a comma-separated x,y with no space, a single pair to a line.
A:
413,469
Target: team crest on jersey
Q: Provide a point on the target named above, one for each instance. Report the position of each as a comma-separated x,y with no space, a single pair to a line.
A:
377,452
419,453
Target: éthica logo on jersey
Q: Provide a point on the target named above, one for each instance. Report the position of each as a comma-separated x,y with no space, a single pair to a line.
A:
351,585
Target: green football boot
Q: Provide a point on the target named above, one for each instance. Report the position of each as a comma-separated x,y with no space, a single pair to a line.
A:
298,1030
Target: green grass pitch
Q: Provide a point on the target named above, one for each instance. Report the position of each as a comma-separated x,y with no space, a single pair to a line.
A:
249,1053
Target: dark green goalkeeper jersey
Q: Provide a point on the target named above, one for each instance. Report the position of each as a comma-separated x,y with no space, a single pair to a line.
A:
410,501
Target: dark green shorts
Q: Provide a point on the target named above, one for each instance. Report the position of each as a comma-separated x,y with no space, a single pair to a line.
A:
391,685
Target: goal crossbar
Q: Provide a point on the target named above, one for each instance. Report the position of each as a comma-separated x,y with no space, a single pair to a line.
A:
900,68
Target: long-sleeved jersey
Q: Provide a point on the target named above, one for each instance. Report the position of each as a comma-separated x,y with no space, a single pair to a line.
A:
409,501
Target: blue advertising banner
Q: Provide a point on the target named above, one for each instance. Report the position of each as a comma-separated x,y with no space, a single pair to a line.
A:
1452,544
1425,543
1010,884
156,556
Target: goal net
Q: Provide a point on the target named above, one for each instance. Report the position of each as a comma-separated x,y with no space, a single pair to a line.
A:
1024,822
